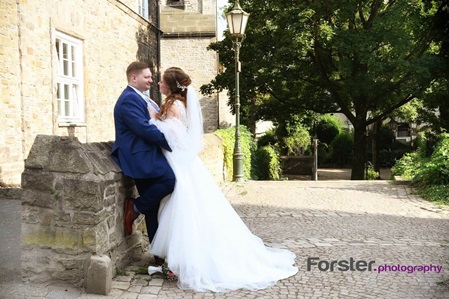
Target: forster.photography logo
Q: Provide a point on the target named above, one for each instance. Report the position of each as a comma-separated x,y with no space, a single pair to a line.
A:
352,264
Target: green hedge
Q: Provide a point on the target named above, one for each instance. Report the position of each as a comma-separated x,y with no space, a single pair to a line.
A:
266,164
247,144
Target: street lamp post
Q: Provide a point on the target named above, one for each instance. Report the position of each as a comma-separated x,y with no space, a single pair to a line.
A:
237,20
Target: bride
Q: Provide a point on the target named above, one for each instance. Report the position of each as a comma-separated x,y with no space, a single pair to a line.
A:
203,240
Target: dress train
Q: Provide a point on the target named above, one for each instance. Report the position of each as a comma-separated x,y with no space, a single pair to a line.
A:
204,241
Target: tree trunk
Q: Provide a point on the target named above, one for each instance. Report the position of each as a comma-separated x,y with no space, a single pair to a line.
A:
375,144
358,162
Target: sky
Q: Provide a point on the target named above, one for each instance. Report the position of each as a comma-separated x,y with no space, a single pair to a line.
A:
221,21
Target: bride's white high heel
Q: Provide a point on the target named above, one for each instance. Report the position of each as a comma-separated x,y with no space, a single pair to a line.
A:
153,269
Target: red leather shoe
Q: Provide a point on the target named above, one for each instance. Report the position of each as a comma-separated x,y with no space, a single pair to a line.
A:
130,215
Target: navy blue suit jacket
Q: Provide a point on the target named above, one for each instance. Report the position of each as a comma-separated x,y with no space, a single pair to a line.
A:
137,146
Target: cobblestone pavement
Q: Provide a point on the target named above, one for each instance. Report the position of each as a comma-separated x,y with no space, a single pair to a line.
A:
330,220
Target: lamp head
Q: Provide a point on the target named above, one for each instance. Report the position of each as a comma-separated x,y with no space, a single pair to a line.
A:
237,19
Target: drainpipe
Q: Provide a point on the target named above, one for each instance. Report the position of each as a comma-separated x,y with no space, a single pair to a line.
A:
159,48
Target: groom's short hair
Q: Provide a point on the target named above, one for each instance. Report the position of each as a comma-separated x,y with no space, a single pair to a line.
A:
135,68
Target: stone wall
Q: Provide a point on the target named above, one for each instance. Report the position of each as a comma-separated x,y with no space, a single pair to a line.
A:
113,34
187,31
225,118
11,146
192,59
72,208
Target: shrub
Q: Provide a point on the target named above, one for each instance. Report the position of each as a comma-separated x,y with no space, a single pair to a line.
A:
266,164
247,145
342,148
327,128
324,154
431,141
297,141
386,138
371,174
388,158
435,171
429,174
269,138
292,135
407,166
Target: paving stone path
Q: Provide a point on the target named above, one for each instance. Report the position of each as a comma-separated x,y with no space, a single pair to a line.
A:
324,221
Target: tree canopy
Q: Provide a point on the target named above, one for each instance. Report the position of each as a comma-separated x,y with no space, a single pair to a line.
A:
362,58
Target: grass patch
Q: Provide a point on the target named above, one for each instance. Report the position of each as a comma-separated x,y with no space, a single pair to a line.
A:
142,270
120,272
438,194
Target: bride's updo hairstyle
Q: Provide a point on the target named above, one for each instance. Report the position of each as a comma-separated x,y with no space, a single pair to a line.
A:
177,82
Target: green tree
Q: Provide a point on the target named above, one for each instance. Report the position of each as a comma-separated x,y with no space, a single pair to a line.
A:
362,58
438,96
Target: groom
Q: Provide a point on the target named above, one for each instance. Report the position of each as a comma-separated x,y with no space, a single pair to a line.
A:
137,150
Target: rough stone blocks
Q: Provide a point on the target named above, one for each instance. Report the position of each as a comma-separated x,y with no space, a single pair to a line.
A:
98,275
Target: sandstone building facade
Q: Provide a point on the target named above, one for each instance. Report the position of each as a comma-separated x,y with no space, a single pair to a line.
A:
62,65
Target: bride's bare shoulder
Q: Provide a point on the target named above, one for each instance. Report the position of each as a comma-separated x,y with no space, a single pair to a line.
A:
173,111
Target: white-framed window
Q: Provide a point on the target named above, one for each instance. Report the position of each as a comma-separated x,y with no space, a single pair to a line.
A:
69,79
142,8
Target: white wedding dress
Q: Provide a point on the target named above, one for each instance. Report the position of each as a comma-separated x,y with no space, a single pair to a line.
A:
201,237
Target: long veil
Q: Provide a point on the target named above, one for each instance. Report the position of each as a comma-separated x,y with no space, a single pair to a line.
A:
194,120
